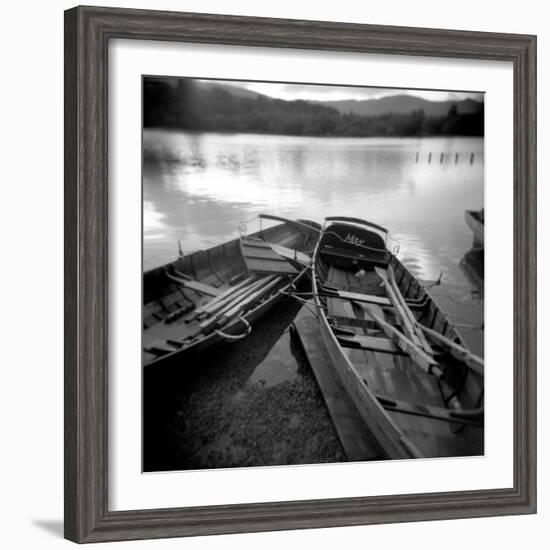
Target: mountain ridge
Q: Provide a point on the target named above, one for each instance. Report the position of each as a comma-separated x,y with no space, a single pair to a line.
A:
219,107
401,104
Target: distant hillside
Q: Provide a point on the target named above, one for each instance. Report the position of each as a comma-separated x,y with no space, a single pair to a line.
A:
235,91
200,106
403,104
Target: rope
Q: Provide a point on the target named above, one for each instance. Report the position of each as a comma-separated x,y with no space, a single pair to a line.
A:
242,228
307,305
298,298
396,245
234,337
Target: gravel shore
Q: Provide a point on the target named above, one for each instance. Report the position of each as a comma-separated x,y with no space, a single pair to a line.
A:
253,403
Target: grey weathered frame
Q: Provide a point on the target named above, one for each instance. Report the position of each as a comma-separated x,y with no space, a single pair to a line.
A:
87,34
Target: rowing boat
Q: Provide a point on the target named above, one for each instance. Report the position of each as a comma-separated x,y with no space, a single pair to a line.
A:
412,378
216,295
472,265
476,222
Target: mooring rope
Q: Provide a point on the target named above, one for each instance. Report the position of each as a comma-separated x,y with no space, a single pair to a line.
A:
234,337
396,245
305,303
242,227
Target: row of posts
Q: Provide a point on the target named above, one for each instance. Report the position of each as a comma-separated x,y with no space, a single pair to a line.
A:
442,157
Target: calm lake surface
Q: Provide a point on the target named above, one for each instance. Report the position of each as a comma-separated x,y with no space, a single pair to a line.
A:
198,188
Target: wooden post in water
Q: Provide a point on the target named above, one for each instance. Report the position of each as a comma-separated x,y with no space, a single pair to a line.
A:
429,158
472,158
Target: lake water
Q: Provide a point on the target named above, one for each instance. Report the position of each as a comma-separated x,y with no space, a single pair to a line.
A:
199,187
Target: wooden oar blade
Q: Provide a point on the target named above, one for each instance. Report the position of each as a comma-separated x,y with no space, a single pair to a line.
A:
427,363
402,312
459,352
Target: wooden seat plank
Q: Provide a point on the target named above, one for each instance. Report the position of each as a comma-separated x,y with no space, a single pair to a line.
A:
283,251
349,322
260,258
291,254
372,343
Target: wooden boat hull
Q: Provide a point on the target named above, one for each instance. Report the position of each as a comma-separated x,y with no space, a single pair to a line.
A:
379,379
475,222
217,269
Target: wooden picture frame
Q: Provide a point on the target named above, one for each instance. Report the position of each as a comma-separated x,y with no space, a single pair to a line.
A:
87,34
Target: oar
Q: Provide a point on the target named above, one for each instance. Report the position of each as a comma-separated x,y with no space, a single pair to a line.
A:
403,313
250,290
231,298
472,417
333,292
255,297
225,294
427,348
418,355
221,298
207,326
459,352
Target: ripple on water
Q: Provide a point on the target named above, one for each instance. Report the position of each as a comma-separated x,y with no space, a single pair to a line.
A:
278,366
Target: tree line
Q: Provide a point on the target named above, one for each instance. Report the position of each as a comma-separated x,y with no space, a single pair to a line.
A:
183,105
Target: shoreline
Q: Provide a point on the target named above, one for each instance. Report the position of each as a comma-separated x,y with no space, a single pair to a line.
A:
216,417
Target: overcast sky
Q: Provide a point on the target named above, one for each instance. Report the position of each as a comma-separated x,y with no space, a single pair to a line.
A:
331,93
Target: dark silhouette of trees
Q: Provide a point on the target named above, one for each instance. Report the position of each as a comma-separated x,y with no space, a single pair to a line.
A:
180,103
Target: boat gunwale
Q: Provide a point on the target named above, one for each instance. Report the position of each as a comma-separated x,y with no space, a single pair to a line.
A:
223,247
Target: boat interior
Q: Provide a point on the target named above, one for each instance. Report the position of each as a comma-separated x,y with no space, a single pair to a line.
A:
175,295
351,265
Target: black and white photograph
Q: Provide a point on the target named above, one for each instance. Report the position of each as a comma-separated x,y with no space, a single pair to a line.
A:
313,265
264,315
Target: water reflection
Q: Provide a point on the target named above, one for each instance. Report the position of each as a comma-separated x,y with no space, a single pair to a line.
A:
198,187
278,366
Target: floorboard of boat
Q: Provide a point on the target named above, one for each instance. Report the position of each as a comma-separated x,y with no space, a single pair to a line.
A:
366,282
391,375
